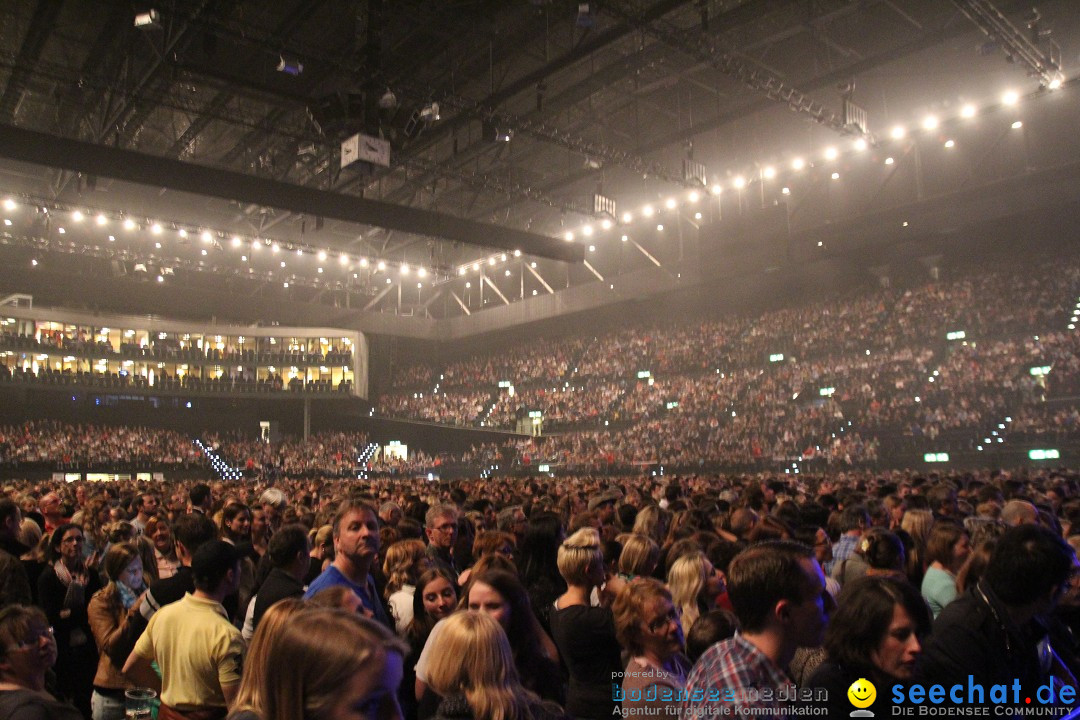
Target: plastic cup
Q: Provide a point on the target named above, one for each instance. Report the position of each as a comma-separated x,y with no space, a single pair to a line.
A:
139,703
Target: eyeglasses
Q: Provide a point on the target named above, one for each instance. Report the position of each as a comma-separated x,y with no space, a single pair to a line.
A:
445,528
662,623
34,638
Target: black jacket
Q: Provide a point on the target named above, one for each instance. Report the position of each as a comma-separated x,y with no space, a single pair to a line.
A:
975,636
279,585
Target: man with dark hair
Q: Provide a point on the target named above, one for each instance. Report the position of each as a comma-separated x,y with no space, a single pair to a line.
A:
994,632
197,648
356,547
854,519
942,500
146,504
289,553
201,500
14,584
780,600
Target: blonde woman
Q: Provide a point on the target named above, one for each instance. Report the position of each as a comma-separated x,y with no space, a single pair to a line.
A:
340,666
640,556
405,561
695,584
585,635
917,524
258,658
474,673
652,521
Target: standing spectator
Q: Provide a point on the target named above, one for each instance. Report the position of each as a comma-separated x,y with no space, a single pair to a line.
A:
64,591
695,584
200,500
356,547
192,641
647,625
146,504
947,549
778,592
405,561
14,583
441,529
473,671
993,631
585,635
111,608
854,519
27,651
876,633
157,529
50,512
288,552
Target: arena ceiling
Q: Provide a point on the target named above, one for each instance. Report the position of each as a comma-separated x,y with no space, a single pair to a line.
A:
511,114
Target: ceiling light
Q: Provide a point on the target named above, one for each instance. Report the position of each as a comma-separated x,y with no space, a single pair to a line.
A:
1017,125
769,172
860,144
660,228
491,261
129,224
206,236
739,182
1010,98
605,224
10,204
77,216
694,196
381,265
421,272
831,153
786,191
716,190
836,176
930,122
898,132
592,248
363,262
322,255
670,204
404,268
968,111
798,164
627,217
587,230
182,232
950,143
647,211
569,236
889,161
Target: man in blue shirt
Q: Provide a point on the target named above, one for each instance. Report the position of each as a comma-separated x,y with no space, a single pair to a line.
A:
356,547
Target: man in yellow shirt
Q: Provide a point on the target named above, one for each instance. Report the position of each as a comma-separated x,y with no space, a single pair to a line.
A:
197,648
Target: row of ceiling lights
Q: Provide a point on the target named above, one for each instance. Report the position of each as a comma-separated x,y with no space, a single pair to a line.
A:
769,172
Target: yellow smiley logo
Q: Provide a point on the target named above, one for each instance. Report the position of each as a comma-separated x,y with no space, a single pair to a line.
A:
862,693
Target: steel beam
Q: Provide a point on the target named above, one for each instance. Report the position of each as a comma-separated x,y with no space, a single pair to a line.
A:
130,166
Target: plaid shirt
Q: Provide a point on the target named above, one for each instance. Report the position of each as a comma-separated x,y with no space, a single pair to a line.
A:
842,549
736,672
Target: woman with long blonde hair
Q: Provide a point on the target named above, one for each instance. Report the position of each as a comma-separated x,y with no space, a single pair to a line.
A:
473,671
338,664
694,585
258,658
